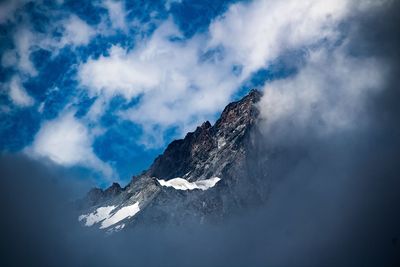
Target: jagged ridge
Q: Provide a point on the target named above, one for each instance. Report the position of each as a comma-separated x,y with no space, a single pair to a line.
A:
220,150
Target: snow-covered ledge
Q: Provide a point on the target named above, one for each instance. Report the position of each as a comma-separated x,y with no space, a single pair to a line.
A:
182,184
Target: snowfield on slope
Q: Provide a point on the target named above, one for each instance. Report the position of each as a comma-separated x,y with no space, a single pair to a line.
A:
123,213
103,215
97,216
182,184
107,216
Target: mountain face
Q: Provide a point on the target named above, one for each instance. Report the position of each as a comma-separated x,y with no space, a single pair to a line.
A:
212,173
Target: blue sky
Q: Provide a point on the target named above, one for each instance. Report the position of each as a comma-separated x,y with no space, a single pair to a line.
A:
105,85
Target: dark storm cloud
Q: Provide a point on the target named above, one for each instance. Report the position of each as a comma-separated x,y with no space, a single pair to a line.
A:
337,196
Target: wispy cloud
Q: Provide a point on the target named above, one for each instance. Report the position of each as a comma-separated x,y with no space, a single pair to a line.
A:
183,81
68,142
326,96
176,87
253,34
8,9
18,94
76,32
24,41
117,14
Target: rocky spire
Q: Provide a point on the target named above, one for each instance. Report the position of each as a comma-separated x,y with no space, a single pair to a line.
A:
182,155
242,112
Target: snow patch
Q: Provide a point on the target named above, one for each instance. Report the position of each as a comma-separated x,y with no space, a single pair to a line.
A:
121,214
182,184
97,216
221,142
103,215
120,226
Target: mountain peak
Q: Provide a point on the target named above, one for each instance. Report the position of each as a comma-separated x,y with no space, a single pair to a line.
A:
242,112
212,153
206,125
182,155
254,95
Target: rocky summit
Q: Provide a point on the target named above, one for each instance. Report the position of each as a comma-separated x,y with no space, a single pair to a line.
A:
212,173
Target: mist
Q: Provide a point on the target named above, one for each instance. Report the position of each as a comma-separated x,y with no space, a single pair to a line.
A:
334,198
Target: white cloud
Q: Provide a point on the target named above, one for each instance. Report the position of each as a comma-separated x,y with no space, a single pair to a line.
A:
116,74
180,89
177,88
117,13
24,40
76,32
256,33
326,96
18,94
67,141
96,109
8,9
